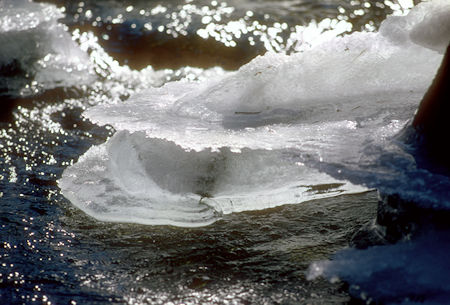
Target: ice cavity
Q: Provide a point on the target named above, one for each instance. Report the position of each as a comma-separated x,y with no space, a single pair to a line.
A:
334,108
152,181
35,45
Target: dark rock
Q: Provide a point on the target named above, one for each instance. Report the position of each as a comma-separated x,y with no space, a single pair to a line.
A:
397,216
369,235
399,219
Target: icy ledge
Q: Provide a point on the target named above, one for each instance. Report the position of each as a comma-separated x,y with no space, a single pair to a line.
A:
268,134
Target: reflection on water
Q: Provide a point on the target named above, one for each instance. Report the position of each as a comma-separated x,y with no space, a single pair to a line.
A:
248,258
171,34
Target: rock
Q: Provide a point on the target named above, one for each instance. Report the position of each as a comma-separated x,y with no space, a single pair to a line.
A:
398,219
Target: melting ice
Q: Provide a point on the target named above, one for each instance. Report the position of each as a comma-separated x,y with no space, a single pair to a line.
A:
34,46
282,129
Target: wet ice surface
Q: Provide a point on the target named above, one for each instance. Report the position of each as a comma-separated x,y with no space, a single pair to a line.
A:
52,252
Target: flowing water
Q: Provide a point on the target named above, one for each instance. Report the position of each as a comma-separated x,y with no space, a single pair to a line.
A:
142,163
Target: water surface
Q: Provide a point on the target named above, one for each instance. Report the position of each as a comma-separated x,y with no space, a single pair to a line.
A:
55,65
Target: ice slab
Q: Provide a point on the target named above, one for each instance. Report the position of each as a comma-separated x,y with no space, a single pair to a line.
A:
334,109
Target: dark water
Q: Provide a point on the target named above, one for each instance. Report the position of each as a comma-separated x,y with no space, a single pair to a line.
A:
55,251
52,253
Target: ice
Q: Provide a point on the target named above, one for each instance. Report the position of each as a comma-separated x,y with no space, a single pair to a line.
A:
261,136
412,272
433,29
33,43
152,181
